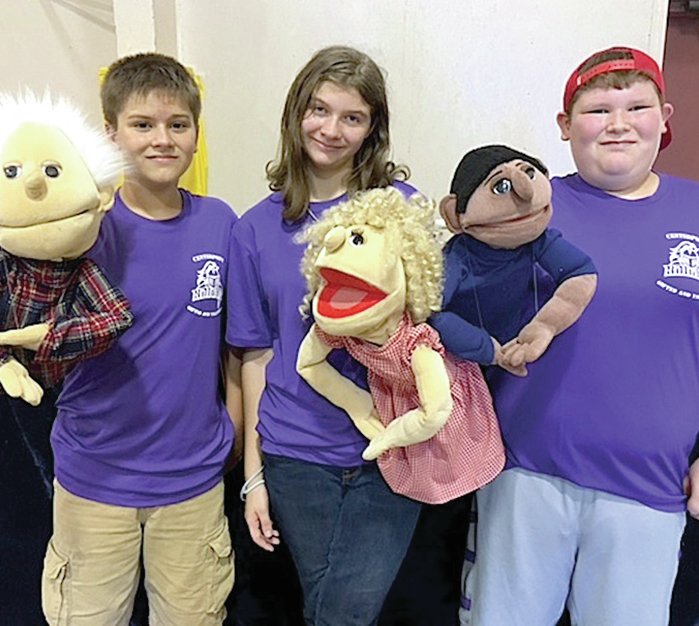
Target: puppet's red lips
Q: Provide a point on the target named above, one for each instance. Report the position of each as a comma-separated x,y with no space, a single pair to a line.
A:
345,295
514,220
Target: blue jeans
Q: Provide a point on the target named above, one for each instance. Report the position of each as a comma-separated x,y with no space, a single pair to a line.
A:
347,533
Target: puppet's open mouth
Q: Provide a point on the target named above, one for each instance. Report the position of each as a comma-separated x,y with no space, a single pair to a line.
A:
345,295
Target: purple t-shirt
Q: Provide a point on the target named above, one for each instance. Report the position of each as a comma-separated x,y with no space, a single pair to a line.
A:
613,405
144,424
264,294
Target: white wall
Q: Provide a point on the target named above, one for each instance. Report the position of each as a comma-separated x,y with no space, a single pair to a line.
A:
57,43
460,72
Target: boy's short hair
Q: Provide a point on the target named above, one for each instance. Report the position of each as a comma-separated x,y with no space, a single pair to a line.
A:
140,74
615,68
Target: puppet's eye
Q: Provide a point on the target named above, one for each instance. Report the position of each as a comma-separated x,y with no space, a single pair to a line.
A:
531,172
12,171
356,238
503,186
52,171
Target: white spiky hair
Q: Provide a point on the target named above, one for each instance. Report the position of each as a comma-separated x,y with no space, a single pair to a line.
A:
102,157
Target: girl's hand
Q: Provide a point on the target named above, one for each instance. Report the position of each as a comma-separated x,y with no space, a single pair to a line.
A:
257,517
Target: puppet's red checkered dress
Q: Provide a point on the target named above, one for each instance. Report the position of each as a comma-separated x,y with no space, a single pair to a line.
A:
466,453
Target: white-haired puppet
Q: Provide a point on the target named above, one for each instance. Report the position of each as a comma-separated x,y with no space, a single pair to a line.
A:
57,181
374,272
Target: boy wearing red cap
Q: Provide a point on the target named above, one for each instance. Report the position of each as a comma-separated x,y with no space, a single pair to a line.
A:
590,510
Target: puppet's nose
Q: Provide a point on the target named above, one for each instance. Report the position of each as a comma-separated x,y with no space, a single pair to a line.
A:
334,239
523,185
35,185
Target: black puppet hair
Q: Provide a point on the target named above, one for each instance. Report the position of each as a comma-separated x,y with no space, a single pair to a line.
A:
478,163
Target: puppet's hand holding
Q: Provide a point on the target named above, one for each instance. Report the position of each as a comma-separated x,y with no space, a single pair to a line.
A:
17,383
529,345
502,361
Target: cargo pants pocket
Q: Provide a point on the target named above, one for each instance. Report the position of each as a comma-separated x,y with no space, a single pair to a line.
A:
54,586
222,569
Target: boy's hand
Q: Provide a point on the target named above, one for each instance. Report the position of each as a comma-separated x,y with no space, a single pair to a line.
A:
257,517
17,383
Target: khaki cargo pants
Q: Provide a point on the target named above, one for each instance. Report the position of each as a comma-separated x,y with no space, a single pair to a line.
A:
93,561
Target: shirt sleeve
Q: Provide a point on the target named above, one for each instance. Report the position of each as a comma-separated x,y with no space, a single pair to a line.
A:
463,339
247,319
560,258
88,320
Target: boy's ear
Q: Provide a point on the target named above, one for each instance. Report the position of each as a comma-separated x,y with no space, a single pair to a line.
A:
667,110
563,121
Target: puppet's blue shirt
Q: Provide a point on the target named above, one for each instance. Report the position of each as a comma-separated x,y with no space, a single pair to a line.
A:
495,292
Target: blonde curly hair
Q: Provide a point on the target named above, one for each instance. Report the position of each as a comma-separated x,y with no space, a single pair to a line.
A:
417,235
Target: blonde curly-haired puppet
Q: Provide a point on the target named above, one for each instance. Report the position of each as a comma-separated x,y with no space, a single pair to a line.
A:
374,271
57,181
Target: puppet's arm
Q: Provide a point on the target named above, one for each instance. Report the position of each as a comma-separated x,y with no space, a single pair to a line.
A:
463,339
311,364
17,383
576,280
434,390
98,314
561,311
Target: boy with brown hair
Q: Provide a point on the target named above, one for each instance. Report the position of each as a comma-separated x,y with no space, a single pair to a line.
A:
590,511
142,435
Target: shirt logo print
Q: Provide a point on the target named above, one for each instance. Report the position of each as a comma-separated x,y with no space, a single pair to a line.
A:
683,263
207,294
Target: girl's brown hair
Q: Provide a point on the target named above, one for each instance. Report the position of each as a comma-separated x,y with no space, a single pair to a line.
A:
348,68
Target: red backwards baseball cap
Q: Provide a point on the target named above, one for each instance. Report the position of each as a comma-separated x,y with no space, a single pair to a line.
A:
639,61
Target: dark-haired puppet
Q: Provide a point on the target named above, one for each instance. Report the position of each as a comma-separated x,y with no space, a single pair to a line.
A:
374,269
493,311
57,181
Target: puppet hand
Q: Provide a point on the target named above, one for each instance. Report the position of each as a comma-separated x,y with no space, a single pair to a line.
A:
28,337
385,440
371,426
258,520
529,345
502,359
691,488
17,383
412,427
375,449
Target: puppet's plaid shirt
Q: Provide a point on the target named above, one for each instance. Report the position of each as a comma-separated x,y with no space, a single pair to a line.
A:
84,312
